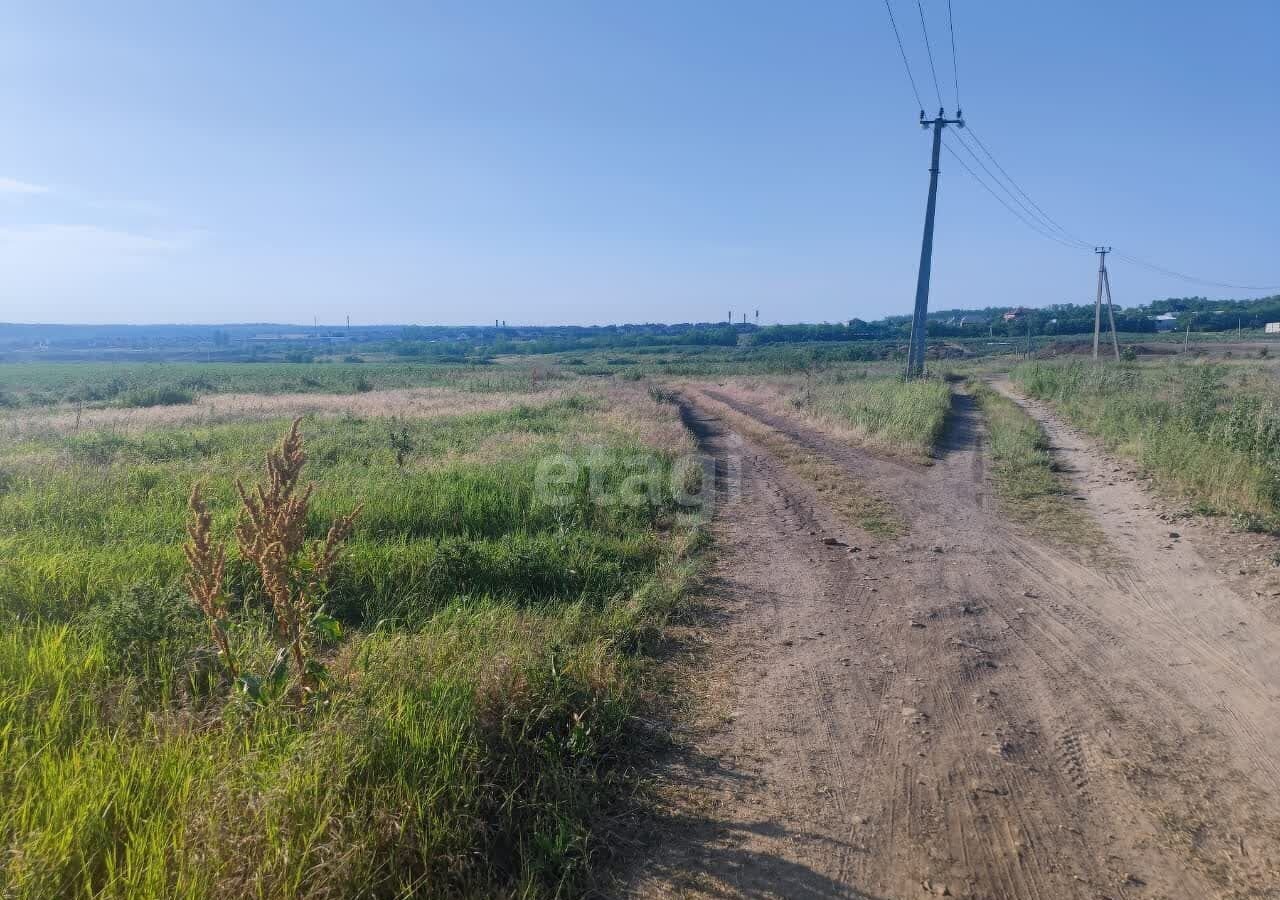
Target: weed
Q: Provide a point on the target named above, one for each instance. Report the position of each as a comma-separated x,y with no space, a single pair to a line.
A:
401,439
145,631
271,534
206,563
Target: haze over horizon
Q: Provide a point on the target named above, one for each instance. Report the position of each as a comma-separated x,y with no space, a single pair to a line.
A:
590,164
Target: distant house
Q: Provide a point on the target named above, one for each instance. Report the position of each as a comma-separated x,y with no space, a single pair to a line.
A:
1273,328
1014,314
1165,322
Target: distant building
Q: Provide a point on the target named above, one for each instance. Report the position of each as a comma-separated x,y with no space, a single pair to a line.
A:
1273,328
1165,322
1014,314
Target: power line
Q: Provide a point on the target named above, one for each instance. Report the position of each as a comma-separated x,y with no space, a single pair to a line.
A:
903,51
1032,213
929,50
1047,218
955,68
1038,226
1032,224
1133,260
1039,217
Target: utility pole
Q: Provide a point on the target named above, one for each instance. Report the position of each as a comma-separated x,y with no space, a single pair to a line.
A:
1104,281
915,350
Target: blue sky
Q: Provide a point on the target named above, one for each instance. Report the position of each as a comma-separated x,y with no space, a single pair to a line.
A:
593,162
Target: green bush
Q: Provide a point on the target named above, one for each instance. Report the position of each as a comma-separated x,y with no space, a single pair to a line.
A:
155,396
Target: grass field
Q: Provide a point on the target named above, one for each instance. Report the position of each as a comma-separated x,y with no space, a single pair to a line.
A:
1031,490
172,383
479,738
1206,432
868,407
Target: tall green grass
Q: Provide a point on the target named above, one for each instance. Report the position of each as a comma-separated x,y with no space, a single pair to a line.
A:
481,736
1031,489
884,410
1203,431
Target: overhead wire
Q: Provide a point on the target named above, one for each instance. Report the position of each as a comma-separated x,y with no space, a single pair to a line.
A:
1028,211
929,50
955,67
1048,218
1030,223
1030,208
1056,233
1133,260
893,23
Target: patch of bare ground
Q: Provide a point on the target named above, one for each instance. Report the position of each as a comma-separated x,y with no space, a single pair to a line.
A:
1143,523
963,710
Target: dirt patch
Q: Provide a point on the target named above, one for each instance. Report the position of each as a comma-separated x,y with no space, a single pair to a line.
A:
962,710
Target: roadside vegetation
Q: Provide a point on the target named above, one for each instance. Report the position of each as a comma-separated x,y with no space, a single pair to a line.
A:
852,500
1204,432
868,407
451,710
880,411
1031,490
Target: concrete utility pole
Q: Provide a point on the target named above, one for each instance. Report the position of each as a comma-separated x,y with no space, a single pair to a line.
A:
1104,281
915,350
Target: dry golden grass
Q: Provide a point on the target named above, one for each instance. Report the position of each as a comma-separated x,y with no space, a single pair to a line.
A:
633,412
217,409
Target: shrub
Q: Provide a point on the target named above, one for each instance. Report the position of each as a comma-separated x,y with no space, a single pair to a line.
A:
145,630
155,396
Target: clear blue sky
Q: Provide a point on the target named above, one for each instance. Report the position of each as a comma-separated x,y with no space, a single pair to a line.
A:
550,162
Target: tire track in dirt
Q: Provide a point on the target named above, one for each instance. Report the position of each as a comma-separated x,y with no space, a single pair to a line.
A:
960,710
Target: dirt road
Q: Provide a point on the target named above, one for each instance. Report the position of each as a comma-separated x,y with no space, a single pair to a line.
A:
962,710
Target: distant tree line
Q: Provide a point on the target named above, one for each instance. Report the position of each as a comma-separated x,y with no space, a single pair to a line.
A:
1057,319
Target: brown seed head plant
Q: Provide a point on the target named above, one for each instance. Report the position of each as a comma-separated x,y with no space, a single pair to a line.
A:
271,534
205,563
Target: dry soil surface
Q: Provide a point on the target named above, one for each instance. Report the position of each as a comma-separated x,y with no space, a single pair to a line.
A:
963,710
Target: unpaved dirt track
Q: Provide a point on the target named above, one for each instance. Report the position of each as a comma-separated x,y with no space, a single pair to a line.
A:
964,711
